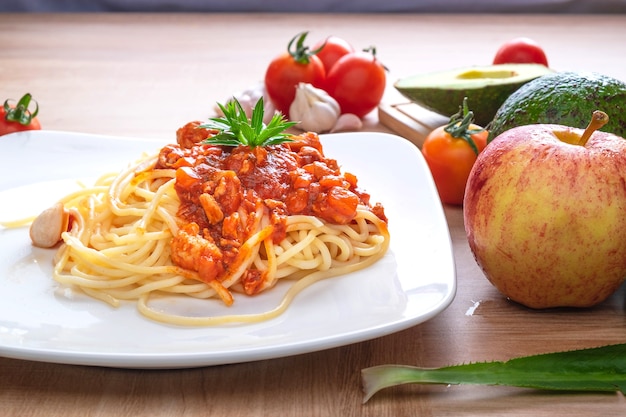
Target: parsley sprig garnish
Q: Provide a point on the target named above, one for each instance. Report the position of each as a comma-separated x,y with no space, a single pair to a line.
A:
235,128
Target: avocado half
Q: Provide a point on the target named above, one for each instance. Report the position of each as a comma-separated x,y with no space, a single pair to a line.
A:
564,98
486,88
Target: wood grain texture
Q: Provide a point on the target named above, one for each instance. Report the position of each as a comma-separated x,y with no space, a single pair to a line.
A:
145,75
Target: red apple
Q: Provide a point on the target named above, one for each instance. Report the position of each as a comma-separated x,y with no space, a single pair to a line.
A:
545,214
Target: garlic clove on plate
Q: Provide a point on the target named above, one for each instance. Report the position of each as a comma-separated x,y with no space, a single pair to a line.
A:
46,229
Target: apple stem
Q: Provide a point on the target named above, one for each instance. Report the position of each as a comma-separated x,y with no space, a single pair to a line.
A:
598,119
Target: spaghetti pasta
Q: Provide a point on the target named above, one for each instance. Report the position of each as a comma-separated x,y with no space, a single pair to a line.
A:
206,222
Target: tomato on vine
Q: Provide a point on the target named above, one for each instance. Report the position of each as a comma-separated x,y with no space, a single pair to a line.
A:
18,117
298,64
331,49
357,81
450,152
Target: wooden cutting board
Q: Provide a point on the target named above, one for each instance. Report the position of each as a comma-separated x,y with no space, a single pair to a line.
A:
410,120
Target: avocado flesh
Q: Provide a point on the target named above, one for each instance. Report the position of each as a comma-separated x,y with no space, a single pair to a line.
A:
486,88
564,98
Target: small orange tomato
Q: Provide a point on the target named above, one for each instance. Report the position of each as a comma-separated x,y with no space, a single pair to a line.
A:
450,152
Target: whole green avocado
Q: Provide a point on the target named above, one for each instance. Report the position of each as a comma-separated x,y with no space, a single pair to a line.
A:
564,98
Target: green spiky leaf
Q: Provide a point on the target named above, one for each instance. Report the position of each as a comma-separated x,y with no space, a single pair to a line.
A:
595,369
235,128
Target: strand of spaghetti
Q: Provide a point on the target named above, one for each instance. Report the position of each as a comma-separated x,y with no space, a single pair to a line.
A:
171,284
86,280
118,245
309,260
326,259
159,256
148,252
170,221
245,257
144,252
151,180
271,266
119,190
323,254
146,287
78,194
80,262
86,212
302,243
154,202
301,222
102,296
9,224
343,247
200,289
291,293
286,271
143,164
222,292
97,258
365,250
356,232
114,274
307,251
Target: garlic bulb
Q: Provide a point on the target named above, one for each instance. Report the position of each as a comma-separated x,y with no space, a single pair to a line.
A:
314,109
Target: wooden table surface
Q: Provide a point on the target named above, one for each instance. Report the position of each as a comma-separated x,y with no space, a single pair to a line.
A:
145,75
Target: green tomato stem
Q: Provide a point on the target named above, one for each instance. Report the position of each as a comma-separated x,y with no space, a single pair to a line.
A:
459,126
301,53
20,112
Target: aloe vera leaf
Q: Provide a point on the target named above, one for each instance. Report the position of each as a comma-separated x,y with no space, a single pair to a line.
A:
593,369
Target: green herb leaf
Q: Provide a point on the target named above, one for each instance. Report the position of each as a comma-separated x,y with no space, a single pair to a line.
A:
235,129
595,369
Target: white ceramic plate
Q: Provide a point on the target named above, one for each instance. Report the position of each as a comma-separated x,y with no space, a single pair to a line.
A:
43,322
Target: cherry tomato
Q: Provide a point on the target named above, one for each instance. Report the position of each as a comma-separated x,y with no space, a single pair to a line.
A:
297,64
520,51
17,118
331,49
357,81
451,156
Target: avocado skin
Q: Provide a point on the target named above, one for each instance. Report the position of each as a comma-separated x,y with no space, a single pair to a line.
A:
564,98
483,98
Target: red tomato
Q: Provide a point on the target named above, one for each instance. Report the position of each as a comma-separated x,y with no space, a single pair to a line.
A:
17,118
451,159
294,66
357,81
520,51
331,49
